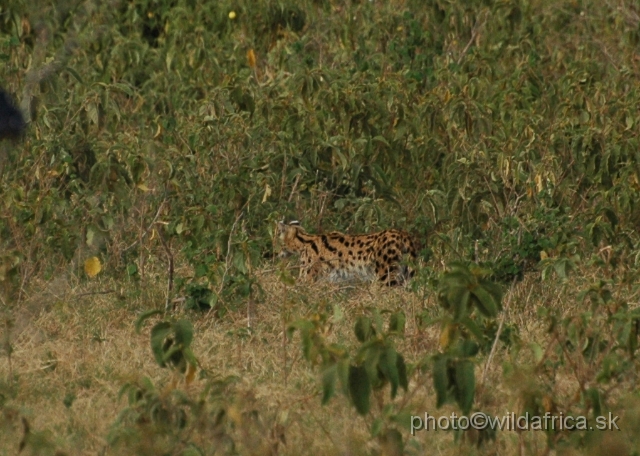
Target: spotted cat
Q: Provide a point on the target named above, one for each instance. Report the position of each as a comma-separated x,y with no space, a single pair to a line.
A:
342,257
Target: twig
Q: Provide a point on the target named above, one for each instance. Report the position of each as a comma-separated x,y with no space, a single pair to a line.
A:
170,279
89,293
474,34
155,218
284,333
493,197
295,186
495,341
226,259
185,142
493,350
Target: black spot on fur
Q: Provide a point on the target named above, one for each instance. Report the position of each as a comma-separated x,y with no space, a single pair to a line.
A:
326,244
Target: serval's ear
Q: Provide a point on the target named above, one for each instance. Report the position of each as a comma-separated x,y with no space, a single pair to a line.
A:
294,223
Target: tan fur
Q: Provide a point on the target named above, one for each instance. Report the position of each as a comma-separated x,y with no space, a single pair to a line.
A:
344,257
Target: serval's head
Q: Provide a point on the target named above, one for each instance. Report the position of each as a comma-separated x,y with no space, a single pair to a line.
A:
288,238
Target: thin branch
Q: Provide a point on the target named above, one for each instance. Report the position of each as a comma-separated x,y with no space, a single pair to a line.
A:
226,260
295,186
155,218
474,35
89,293
495,341
170,270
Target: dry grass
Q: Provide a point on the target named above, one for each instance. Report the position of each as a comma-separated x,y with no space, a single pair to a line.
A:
86,346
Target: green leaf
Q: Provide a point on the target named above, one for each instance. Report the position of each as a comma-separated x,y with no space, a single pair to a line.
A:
174,354
132,269
158,335
377,321
192,450
302,325
632,343
92,112
329,378
594,397
459,300
402,372
397,322
376,427
473,328
75,74
286,277
468,348
343,375
359,389
441,379
183,330
465,385
68,400
371,362
239,261
485,302
388,365
561,268
382,140
537,351
144,316
363,329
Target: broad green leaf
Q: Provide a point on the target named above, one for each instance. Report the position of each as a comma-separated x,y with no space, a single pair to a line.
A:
158,335
183,330
302,325
285,277
596,403
376,426
465,385
441,379
343,375
460,303
402,372
239,261
144,316
363,329
174,354
485,302
473,328
75,74
377,321
372,355
329,378
397,322
388,365
537,351
359,389
468,348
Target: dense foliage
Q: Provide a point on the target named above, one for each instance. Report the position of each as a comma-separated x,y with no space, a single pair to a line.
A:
511,124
